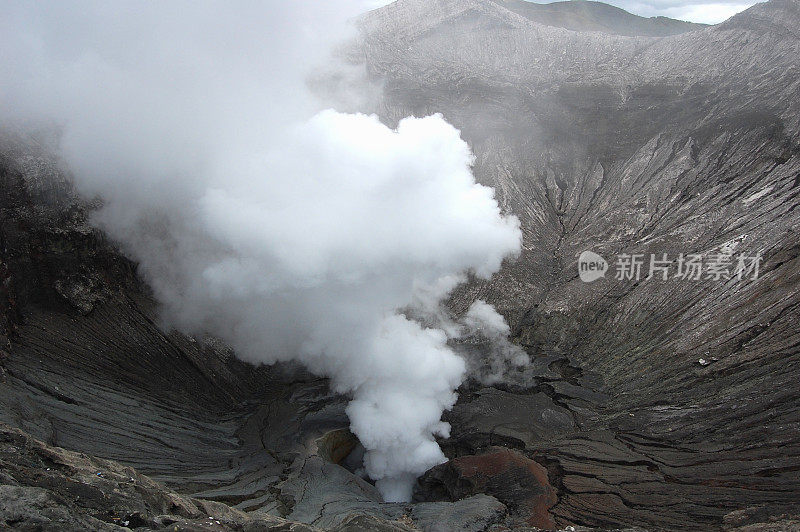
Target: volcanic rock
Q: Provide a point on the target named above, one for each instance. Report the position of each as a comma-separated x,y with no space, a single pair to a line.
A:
515,480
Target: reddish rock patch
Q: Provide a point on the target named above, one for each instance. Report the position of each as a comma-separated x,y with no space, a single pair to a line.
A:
515,480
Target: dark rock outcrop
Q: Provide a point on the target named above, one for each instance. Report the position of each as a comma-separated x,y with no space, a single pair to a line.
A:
516,481
49,488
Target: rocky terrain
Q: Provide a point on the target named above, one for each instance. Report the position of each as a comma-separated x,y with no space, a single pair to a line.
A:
651,404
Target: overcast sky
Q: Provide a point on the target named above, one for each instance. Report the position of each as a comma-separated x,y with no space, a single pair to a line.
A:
707,12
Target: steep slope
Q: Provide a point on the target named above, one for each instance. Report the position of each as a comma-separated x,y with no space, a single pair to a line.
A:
683,144
85,366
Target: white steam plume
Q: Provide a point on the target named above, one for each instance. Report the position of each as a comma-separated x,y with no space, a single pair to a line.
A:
292,233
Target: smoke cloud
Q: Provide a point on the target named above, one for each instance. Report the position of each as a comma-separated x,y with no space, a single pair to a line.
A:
290,231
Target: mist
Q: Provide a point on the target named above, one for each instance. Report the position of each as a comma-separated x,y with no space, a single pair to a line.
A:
258,214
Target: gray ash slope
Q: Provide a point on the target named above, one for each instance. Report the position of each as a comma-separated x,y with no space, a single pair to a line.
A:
595,140
620,144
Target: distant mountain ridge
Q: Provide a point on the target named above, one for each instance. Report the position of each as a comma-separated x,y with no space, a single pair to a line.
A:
410,18
585,15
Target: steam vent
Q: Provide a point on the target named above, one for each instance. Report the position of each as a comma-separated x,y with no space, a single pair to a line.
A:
422,265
